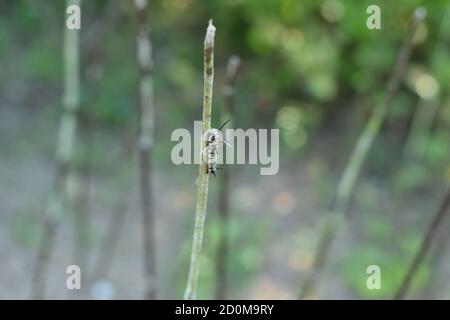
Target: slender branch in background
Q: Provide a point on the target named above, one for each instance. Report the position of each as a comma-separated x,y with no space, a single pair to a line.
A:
421,125
419,135
229,90
436,262
108,247
359,154
427,241
145,144
56,205
109,244
426,109
78,181
92,55
203,177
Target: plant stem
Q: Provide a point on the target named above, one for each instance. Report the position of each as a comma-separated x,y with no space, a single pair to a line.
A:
79,197
203,178
229,90
357,158
56,205
427,241
109,245
437,255
426,109
145,144
105,256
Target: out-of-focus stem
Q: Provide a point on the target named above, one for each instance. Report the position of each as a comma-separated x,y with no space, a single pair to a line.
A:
145,143
357,158
79,198
427,109
228,91
109,244
64,155
105,257
203,178
426,243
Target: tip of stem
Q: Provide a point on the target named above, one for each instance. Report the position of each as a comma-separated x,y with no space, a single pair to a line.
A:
233,65
210,33
141,4
420,13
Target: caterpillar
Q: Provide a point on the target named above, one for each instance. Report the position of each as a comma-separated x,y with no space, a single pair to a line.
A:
214,139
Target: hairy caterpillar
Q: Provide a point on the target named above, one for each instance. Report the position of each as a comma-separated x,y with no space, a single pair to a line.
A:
214,139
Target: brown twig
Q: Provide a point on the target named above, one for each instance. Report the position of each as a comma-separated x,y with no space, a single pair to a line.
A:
427,241
80,198
145,144
109,244
108,247
228,91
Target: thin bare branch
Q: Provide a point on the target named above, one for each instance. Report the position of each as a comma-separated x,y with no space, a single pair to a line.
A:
203,179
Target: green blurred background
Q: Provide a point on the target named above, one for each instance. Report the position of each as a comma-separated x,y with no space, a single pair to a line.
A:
309,68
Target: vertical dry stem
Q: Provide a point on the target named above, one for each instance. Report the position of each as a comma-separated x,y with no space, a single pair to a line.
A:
65,148
145,144
224,184
426,243
203,178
